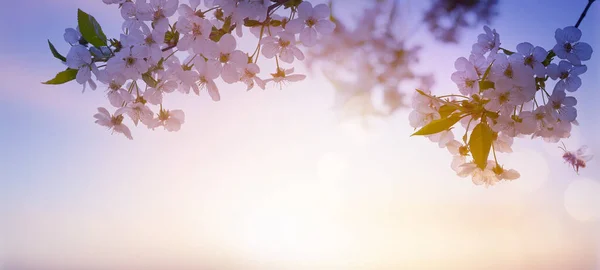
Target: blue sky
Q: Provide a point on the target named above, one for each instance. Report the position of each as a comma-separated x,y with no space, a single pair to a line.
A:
268,177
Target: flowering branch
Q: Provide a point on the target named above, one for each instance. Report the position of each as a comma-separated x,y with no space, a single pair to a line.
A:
144,55
499,96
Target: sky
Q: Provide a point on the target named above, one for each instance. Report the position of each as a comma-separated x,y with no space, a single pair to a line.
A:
271,179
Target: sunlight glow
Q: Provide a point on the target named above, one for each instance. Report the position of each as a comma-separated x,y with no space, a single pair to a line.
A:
581,199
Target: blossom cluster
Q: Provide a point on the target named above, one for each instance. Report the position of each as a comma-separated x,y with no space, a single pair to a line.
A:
368,58
504,95
167,46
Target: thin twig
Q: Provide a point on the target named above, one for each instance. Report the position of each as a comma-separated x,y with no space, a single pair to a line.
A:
584,13
169,47
273,6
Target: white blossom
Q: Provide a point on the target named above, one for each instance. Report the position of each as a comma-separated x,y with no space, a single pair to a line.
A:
81,59
170,120
282,45
311,22
487,42
466,77
567,75
568,47
113,122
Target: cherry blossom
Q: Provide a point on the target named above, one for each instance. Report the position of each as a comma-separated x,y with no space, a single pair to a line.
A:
532,57
568,47
113,122
480,176
283,76
130,62
465,77
230,58
249,77
195,32
139,112
170,120
208,71
283,46
164,85
158,11
487,42
563,107
311,22
568,75
72,36
117,95
133,15
166,46
504,96
81,59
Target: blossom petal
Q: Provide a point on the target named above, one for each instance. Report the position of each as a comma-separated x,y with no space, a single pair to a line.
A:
524,48
227,43
305,10
572,83
321,11
325,27
213,91
295,26
583,51
571,34
308,36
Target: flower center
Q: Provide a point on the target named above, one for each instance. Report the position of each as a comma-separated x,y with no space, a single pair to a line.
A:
469,83
504,97
529,61
196,30
129,61
224,58
284,43
564,75
556,105
311,22
158,14
114,86
540,116
568,47
508,72
498,170
116,120
149,40
249,73
163,115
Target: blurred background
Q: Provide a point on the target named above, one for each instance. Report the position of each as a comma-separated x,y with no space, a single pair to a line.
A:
277,179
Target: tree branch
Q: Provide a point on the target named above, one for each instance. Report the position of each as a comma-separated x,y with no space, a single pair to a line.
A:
584,13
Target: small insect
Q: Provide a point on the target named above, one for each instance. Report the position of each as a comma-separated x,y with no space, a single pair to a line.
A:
577,159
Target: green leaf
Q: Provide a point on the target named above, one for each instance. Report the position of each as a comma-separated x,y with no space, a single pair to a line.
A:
90,29
484,85
227,24
422,93
487,71
549,58
63,77
507,52
251,23
439,125
446,110
480,144
149,80
275,23
292,4
56,54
